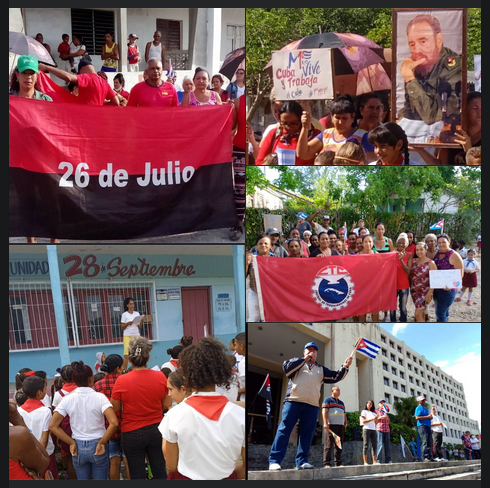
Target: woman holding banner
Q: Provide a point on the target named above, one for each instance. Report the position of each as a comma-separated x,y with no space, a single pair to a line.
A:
263,244
446,258
367,248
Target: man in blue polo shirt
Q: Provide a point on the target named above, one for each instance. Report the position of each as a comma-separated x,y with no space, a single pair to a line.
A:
306,378
424,417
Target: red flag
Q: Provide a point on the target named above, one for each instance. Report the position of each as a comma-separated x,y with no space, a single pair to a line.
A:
49,87
323,289
77,172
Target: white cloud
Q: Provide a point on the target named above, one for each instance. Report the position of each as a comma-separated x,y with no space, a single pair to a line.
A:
442,364
398,328
467,370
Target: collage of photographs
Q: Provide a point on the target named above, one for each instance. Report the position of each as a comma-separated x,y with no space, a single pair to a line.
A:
153,334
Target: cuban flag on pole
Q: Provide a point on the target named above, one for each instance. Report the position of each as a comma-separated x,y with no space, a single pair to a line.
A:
368,348
437,225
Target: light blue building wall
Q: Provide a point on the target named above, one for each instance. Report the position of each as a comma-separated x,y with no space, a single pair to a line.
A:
173,268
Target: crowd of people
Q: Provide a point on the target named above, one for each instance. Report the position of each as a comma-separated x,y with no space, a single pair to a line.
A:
305,379
186,421
417,256
355,134
92,87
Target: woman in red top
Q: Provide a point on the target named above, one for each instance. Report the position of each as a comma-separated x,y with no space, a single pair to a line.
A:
142,395
217,86
284,140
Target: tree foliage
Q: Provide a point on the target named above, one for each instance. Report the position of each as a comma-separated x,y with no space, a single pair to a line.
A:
270,29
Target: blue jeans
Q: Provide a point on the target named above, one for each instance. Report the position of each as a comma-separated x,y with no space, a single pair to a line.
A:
425,435
140,444
86,463
291,413
383,443
443,300
402,305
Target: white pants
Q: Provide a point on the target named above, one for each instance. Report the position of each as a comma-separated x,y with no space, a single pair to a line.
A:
133,68
253,310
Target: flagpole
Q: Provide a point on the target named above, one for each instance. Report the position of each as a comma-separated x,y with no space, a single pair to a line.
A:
249,407
355,348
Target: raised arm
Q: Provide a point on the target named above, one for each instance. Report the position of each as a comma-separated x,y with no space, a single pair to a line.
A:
62,74
307,149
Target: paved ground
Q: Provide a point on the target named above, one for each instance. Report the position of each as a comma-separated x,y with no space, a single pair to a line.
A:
219,236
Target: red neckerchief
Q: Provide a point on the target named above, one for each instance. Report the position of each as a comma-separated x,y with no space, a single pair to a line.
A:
174,362
31,404
399,162
69,387
209,406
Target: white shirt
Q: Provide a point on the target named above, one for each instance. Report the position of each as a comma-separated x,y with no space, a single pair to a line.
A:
436,420
131,330
208,449
240,91
319,228
475,444
86,408
57,397
232,393
470,265
170,366
367,414
37,422
241,376
75,49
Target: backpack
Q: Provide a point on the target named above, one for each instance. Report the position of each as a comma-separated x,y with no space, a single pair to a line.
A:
65,425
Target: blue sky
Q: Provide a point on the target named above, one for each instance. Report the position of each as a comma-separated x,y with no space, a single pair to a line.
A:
454,347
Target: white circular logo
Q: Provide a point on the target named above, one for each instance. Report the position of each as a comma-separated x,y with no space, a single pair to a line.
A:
333,288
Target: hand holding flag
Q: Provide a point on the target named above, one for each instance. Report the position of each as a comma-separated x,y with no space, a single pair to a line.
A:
336,438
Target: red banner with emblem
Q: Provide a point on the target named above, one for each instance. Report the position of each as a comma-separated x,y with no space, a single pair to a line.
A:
325,289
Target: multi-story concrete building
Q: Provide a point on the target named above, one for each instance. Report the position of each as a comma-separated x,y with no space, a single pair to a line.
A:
398,372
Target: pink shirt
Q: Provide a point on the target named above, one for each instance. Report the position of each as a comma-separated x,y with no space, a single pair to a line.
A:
143,94
93,90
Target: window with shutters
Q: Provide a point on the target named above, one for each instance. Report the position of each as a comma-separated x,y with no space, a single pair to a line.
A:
92,25
171,33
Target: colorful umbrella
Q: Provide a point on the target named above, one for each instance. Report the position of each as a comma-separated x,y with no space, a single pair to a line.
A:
232,62
21,44
356,59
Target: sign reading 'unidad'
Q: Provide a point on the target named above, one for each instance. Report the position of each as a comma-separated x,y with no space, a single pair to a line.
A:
303,74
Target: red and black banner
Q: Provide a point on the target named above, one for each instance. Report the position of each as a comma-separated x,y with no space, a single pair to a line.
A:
93,173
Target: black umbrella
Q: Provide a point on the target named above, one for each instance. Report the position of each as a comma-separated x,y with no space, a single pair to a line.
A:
232,62
21,44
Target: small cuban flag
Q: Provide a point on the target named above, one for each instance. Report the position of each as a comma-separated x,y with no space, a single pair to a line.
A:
368,348
437,225
170,70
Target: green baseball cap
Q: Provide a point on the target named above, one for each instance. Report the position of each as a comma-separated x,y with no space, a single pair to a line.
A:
27,62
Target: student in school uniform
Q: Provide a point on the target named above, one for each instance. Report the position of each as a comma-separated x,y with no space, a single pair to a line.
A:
204,435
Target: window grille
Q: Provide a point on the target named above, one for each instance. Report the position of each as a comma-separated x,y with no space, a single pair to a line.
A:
92,313
92,26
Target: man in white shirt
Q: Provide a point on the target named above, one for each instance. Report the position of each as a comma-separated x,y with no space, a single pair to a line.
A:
240,349
324,227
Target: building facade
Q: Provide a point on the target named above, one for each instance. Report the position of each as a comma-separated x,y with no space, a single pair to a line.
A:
192,36
398,372
66,301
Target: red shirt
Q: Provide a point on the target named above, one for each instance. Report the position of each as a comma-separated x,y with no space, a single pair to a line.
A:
64,48
272,143
383,424
93,90
105,386
145,95
141,393
402,282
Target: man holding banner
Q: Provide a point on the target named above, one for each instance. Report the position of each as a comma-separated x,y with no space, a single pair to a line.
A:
306,378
